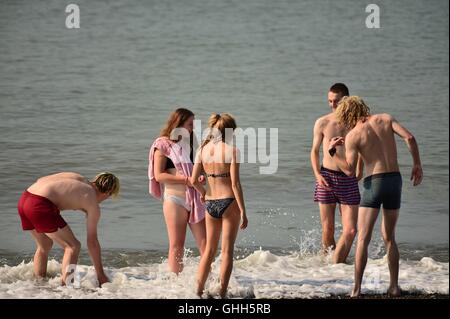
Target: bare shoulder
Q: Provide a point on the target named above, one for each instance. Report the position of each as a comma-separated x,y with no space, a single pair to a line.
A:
87,190
354,134
88,197
322,121
206,149
70,175
383,117
198,155
236,153
76,176
62,177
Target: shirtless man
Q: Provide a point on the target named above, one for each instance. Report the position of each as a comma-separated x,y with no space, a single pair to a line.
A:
39,210
372,137
332,185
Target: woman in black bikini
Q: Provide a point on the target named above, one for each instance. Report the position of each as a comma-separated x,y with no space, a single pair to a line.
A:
224,199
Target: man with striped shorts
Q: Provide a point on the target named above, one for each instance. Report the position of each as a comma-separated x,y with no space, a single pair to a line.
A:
333,187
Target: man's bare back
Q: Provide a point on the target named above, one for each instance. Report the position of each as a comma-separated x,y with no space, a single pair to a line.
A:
68,191
375,141
372,137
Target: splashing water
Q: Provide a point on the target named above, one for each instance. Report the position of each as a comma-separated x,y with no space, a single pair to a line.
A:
262,274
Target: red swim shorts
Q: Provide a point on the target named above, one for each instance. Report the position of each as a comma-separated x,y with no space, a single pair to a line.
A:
37,212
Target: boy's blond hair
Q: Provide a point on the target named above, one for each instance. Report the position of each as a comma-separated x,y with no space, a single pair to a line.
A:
107,183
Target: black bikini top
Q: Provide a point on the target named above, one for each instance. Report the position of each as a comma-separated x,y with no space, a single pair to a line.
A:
227,174
170,164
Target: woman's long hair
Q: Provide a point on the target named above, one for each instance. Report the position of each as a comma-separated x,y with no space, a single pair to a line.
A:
177,119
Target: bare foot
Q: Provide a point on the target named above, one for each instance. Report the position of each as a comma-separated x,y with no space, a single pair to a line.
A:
199,293
356,293
394,291
223,293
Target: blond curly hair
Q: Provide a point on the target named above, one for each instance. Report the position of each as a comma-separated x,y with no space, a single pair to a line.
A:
350,110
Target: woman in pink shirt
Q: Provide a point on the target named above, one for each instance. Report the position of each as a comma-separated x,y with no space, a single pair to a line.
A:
170,168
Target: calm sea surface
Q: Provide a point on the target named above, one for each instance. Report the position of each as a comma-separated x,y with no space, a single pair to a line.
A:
94,98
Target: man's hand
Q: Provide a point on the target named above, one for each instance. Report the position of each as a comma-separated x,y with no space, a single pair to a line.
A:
417,174
323,182
336,141
102,279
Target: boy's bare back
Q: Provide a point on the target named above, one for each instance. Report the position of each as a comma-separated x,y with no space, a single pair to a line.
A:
66,190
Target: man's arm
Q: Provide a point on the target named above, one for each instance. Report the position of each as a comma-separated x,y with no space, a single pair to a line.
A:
348,164
360,168
315,153
410,140
93,216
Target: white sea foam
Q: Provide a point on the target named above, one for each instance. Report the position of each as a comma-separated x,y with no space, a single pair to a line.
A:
261,275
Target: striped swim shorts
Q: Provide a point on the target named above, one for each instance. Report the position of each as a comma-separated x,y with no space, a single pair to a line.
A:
343,189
